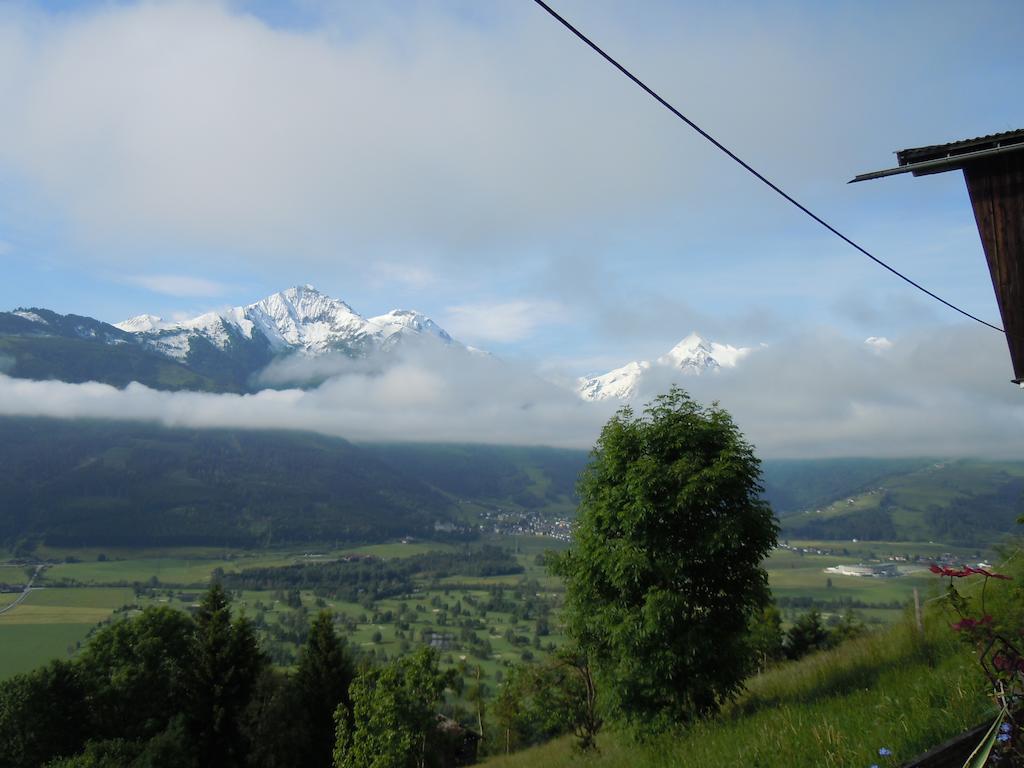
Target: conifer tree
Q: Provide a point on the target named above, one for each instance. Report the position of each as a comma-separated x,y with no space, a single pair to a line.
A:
226,664
323,678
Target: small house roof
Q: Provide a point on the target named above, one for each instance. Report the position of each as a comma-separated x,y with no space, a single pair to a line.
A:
937,158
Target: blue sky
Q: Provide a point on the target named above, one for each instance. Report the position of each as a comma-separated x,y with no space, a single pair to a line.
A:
475,162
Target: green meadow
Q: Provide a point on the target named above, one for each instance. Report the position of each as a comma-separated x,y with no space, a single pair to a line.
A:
90,585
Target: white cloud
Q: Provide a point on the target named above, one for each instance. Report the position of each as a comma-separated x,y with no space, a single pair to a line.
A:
186,122
878,343
406,275
176,285
425,397
501,322
940,394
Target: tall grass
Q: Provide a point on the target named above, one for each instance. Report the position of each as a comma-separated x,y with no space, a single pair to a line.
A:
858,664
892,689
835,708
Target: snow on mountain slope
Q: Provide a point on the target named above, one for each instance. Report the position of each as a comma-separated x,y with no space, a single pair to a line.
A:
405,321
299,319
620,383
32,317
692,356
694,353
303,318
141,324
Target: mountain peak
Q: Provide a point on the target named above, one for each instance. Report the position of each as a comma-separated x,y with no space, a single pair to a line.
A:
693,355
300,318
692,352
304,317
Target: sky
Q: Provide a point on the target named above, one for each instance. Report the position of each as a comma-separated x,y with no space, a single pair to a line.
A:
475,162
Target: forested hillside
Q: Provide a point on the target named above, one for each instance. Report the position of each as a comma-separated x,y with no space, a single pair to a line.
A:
79,483
969,502
75,484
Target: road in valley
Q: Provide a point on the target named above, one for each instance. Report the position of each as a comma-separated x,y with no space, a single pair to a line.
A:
24,593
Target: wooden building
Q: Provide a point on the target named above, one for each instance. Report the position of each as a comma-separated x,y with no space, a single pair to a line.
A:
993,168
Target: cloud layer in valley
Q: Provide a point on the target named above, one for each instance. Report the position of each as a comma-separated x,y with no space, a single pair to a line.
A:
819,395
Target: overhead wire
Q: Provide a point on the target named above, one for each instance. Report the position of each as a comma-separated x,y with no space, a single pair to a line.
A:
746,166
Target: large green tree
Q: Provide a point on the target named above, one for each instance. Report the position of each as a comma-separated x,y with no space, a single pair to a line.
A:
43,714
137,671
393,719
665,571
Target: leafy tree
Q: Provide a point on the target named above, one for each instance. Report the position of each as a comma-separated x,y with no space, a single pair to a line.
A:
226,664
847,627
807,634
538,702
665,571
393,720
766,636
43,714
136,672
323,678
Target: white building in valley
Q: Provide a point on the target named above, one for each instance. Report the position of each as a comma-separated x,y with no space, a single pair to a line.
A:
882,570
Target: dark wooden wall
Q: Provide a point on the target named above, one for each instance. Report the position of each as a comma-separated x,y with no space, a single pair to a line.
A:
996,187
953,753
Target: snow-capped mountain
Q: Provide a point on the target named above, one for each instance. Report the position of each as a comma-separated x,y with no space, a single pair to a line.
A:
401,322
232,350
692,356
299,319
620,383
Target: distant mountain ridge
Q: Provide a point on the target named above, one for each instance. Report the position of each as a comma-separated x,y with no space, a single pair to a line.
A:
105,483
216,351
299,319
226,350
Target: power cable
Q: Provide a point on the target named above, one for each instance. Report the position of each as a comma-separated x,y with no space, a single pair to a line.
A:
746,166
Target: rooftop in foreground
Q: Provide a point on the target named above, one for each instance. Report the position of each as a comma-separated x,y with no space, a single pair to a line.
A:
937,158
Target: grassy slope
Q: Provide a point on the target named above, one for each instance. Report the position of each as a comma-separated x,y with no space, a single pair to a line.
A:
836,708
832,709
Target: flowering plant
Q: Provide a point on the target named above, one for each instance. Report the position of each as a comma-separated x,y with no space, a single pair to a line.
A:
1002,662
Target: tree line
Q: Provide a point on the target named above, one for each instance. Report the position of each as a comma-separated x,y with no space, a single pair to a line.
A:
164,689
370,578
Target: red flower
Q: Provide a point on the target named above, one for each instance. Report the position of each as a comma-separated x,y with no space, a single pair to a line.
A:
956,573
945,570
983,572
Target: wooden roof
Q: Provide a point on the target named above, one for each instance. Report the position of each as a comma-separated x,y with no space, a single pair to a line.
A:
938,158
962,147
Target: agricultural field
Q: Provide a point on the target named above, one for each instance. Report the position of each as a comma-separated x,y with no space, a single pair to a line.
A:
475,621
